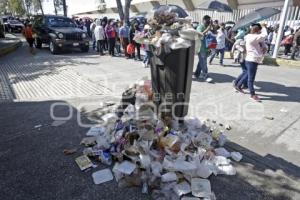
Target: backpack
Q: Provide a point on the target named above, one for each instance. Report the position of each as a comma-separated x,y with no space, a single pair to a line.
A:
211,41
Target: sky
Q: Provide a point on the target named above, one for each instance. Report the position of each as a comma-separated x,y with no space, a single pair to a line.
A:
77,6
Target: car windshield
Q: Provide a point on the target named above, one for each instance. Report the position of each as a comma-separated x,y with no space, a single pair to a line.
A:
61,22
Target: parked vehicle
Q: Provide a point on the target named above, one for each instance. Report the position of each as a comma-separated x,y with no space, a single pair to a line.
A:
13,26
61,33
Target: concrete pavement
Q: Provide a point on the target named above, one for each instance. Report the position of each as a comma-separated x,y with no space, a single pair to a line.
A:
32,84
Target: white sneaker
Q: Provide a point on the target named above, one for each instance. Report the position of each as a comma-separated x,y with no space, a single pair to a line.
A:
209,80
144,65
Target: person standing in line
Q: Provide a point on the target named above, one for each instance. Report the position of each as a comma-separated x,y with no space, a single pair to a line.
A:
124,34
111,36
269,39
221,37
28,34
99,37
203,29
148,54
255,50
117,26
133,31
92,29
296,44
288,42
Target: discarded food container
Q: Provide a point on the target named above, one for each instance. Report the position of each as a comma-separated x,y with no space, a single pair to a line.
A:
201,187
102,176
126,167
83,162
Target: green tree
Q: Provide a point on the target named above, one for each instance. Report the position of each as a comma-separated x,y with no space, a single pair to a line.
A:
3,6
16,7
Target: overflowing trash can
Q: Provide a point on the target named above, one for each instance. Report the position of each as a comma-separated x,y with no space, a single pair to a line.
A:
171,75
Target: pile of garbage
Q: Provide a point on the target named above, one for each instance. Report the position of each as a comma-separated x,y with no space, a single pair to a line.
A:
168,159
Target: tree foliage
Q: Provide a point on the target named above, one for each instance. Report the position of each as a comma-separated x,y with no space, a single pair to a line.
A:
16,7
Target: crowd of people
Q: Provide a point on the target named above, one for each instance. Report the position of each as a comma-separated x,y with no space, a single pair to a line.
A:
248,45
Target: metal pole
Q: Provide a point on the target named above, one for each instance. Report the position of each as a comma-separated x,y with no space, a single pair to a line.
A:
283,16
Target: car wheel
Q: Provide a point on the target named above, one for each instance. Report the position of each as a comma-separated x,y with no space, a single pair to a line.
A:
38,43
85,49
53,48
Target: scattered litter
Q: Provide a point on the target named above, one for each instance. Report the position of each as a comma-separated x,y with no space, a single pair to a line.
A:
222,152
126,167
236,156
182,188
58,122
69,151
169,177
228,127
148,148
201,187
38,126
102,176
83,162
88,141
284,110
269,117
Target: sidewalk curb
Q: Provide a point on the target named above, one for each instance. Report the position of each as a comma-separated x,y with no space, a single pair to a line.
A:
10,48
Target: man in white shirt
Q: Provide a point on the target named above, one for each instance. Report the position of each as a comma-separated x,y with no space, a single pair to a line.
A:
99,36
255,48
221,37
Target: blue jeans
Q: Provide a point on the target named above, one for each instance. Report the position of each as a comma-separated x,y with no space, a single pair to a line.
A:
250,73
216,51
202,64
147,57
244,80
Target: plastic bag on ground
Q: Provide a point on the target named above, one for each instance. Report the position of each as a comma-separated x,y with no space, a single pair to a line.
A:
222,152
156,168
169,177
109,117
182,188
102,176
227,170
236,156
118,174
201,187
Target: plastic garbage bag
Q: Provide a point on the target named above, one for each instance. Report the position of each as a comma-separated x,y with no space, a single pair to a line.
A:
226,170
182,188
109,117
222,152
169,177
102,176
201,187
236,156
156,168
180,43
221,160
145,161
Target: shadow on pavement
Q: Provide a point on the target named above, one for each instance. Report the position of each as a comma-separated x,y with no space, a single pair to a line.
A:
34,166
281,92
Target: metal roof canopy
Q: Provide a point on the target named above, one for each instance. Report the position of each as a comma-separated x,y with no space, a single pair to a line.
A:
247,4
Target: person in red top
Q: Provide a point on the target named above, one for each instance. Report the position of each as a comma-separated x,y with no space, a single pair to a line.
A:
28,34
288,42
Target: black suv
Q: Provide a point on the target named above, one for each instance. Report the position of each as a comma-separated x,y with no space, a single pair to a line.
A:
60,33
